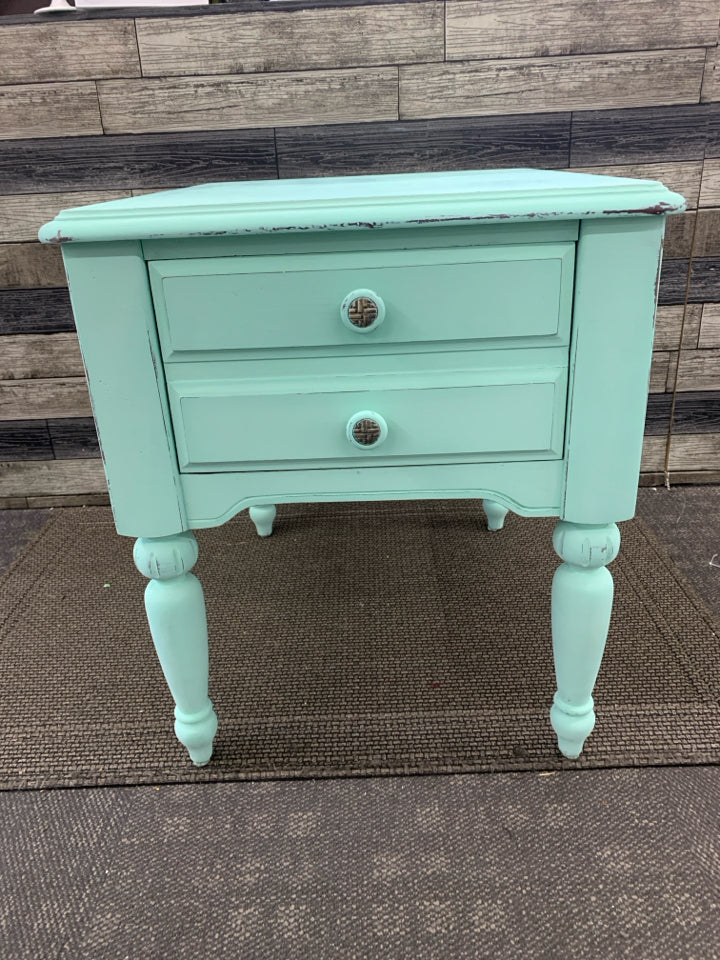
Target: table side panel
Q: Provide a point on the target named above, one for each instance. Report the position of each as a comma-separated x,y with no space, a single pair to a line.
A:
113,310
618,266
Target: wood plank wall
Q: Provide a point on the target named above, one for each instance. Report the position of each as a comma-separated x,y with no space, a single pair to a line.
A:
103,105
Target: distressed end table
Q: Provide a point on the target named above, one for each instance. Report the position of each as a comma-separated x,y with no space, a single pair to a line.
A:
483,334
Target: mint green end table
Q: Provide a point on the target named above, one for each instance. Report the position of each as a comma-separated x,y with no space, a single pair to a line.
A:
482,334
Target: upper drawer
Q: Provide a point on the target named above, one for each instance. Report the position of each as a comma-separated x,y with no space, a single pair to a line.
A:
519,293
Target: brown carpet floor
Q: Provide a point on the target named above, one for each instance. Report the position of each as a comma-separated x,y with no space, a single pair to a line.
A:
359,639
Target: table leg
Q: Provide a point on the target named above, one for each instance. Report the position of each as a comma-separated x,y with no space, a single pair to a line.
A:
582,596
175,608
263,516
495,513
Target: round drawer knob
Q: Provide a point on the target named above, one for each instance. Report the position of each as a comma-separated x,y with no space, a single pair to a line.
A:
362,311
366,429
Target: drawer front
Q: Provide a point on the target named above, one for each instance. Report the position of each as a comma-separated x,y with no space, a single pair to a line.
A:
519,293
235,425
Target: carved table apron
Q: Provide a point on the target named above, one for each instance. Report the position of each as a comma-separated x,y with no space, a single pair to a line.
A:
482,334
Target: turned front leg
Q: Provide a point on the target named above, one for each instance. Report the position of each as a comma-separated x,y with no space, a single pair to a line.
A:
582,596
175,608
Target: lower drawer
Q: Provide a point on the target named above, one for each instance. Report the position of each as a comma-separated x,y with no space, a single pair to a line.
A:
251,424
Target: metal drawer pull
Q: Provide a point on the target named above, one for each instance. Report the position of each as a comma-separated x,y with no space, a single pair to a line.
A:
366,429
362,311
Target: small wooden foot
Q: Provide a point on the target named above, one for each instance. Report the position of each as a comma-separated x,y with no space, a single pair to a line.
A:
263,517
495,513
175,608
582,596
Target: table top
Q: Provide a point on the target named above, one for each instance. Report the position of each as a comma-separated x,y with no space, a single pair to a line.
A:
363,202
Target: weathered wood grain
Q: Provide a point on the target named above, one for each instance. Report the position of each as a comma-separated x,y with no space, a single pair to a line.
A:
550,83
695,412
130,161
699,451
31,265
13,503
279,40
669,322
49,110
707,235
644,135
705,281
72,500
39,478
710,326
659,372
74,438
280,99
536,140
508,28
683,178
698,370
22,216
711,77
653,454
679,232
42,399
67,50
35,311
710,186
25,440
673,281
40,356
712,129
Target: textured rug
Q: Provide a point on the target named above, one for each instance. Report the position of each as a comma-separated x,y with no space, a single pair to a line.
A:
360,639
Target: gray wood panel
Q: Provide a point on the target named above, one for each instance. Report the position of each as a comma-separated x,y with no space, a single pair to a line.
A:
41,399
127,161
711,78
34,478
699,370
31,265
551,83
705,281
40,356
49,110
669,322
280,99
35,311
710,326
682,177
536,140
639,135
68,50
659,372
276,39
510,28
21,216
710,186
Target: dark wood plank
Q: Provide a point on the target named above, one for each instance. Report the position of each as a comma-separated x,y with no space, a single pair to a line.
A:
712,123
35,311
536,140
673,281
74,438
695,412
644,135
705,282
25,440
136,161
